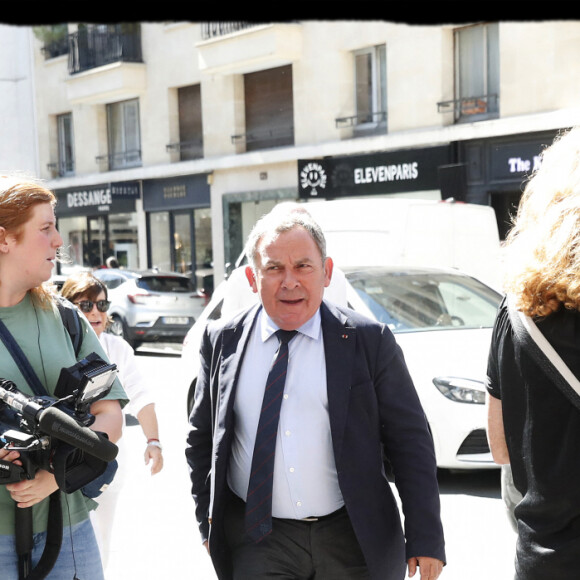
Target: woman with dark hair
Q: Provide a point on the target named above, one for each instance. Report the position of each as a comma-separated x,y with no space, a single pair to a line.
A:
29,246
91,297
532,425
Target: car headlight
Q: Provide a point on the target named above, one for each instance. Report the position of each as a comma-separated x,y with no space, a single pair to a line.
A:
461,390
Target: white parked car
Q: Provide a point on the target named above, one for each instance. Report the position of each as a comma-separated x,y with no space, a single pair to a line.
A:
441,318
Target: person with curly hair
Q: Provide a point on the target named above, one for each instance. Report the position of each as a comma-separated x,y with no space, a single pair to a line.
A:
532,425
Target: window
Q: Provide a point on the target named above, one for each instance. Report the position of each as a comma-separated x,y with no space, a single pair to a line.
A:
89,240
190,125
371,86
180,241
269,108
66,161
477,71
124,134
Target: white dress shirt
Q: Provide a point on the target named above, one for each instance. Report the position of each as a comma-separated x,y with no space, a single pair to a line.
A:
305,480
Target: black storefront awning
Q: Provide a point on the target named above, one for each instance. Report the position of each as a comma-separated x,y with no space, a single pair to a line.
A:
96,199
375,173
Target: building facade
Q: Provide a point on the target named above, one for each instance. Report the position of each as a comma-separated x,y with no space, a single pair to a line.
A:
18,151
165,142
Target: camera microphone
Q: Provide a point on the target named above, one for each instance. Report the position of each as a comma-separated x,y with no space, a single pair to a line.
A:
58,424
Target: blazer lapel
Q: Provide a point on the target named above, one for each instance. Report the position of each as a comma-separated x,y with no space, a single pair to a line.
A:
235,338
339,348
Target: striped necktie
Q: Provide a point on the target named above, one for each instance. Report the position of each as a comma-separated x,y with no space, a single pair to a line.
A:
259,499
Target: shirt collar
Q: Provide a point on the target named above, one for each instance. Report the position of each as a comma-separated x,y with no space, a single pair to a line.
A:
310,328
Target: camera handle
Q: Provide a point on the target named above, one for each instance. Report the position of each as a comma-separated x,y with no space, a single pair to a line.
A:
23,529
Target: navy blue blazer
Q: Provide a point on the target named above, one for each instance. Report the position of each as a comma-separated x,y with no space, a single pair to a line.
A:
374,412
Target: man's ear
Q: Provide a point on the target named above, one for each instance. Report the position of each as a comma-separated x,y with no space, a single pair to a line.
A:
251,278
328,265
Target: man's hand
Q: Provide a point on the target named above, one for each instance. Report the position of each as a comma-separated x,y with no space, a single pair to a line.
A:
430,567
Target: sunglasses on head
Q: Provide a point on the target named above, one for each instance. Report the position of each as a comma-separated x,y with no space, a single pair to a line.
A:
87,305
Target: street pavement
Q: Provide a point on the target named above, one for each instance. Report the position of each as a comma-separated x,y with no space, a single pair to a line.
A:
155,536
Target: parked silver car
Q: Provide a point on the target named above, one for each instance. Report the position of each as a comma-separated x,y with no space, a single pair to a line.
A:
149,305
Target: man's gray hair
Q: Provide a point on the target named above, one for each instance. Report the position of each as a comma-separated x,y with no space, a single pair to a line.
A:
284,217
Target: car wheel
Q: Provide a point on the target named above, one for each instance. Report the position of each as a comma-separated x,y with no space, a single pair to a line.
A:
119,328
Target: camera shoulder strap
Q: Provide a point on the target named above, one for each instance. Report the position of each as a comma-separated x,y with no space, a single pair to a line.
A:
21,360
71,321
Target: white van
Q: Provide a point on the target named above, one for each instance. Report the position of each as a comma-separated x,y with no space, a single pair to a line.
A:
411,232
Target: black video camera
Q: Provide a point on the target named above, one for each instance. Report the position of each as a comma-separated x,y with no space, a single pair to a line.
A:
52,433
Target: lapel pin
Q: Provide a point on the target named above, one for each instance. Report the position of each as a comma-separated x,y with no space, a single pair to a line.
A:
345,336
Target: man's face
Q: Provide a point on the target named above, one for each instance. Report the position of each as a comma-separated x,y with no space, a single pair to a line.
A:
290,277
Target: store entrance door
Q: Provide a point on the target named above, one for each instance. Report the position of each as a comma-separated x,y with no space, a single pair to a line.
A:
182,242
98,240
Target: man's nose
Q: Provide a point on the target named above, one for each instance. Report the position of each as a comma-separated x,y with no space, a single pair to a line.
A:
290,280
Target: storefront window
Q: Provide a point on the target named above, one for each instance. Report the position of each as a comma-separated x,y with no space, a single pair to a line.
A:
203,250
159,240
171,240
89,241
182,243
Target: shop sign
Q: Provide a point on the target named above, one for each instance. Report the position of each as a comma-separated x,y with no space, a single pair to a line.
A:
96,199
377,173
188,191
515,161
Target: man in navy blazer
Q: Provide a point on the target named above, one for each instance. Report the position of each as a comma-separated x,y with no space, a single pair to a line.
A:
369,408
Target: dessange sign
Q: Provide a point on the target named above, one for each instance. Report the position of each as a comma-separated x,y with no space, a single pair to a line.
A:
96,199
376,173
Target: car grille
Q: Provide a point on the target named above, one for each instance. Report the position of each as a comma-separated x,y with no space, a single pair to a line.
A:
475,442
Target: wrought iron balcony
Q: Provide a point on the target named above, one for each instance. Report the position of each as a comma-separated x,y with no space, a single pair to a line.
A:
92,47
187,149
467,106
61,168
266,138
121,159
215,29
380,117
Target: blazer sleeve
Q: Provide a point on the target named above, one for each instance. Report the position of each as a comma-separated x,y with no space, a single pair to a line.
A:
198,450
409,447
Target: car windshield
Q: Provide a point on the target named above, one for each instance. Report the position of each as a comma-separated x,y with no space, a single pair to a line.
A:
165,284
408,302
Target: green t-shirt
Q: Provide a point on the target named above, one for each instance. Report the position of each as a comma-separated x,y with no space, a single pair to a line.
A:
47,345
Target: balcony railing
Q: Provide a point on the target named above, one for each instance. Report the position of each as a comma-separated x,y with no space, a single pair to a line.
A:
354,120
215,29
61,168
121,159
468,106
266,138
91,48
187,149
